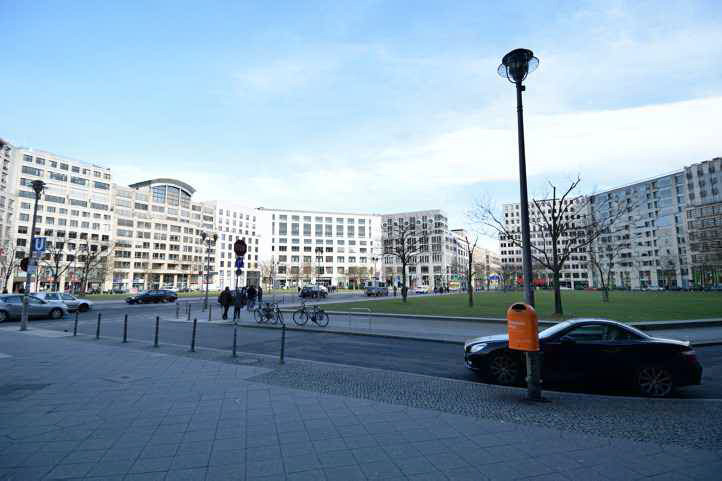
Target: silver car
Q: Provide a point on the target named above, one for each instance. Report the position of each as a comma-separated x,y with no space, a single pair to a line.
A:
73,303
11,306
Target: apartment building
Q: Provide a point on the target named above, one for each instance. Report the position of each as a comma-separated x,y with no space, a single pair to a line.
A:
74,215
7,195
234,222
704,221
646,243
436,249
158,236
575,273
330,248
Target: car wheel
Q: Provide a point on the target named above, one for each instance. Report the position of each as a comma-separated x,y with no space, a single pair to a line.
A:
4,316
504,368
56,313
84,308
655,381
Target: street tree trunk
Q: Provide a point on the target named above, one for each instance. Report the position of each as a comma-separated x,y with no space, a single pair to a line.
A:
558,311
404,290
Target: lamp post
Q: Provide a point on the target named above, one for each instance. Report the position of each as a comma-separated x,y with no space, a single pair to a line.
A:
209,241
515,66
38,186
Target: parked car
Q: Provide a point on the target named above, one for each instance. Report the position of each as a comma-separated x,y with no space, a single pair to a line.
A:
156,295
592,350
11,306
73,303
376,288
315,292
422,289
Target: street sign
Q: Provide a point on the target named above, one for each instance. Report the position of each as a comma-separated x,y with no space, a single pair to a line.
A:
239,272
239,247
39,244
239,262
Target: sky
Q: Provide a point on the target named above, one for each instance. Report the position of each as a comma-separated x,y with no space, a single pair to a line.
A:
364,106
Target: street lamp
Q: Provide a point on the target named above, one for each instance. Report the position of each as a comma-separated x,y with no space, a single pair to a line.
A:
209,240
515,66
38,186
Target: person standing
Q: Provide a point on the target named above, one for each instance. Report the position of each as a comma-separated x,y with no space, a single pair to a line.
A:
239,300
259,294
226,298
251,297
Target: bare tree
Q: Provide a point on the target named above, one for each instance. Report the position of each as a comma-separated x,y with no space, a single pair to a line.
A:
400,242
56,262
269,271
560,227
668,266
470,247
94,263
9,262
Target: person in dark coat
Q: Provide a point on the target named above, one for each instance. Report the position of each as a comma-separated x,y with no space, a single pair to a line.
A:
251,292
259,294
239,300
226,299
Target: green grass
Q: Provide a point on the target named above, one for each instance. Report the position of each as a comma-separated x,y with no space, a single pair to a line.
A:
623,305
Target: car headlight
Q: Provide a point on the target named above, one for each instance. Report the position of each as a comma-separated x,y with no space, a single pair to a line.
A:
477,347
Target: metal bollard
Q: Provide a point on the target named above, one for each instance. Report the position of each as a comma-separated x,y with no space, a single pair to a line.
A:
189,311
157,324
210,310
177,310
97,328
283,341
75,324
125,328
193,336
235,339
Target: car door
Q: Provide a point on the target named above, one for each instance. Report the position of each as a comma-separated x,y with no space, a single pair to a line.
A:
69,301
37,307
619,354
574,355
14,305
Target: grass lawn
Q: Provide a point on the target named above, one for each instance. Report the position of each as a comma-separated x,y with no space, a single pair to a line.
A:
623,305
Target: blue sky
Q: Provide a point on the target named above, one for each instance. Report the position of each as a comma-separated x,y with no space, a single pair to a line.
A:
364,105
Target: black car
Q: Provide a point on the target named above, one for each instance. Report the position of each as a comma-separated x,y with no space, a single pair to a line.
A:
592,351
159,295
314,292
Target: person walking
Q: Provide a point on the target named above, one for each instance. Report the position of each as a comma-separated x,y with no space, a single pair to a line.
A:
239,300
225,299
251,291
259,294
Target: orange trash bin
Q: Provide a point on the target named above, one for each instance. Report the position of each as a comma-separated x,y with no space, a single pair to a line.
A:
523,327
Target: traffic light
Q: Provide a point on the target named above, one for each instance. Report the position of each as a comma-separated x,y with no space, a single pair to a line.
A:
24,263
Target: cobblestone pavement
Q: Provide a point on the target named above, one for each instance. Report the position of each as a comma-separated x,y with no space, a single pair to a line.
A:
85,409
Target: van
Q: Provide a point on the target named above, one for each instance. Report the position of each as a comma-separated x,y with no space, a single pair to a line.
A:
376,288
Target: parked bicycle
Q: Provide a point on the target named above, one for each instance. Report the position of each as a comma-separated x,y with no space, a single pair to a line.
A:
314,314
268,312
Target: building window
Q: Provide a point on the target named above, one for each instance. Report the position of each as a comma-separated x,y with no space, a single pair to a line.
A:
78,181
32,171
102,185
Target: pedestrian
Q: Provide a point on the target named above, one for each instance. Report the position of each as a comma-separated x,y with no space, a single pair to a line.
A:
239,300
251,292
394,290
225,299
259,294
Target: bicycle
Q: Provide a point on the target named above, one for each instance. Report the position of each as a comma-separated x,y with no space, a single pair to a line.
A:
316,315
268,313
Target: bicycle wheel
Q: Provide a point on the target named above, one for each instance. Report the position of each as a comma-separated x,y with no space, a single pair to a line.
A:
279,316
258,316
322,318
300,317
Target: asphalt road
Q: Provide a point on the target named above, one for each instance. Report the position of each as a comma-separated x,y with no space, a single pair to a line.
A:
405,355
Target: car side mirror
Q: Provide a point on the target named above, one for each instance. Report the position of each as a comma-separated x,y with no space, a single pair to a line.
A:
566,340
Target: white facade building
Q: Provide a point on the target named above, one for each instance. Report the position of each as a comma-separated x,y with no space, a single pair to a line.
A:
234,222
157,236
330,248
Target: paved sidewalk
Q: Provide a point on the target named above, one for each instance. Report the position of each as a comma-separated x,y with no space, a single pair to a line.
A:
84,409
